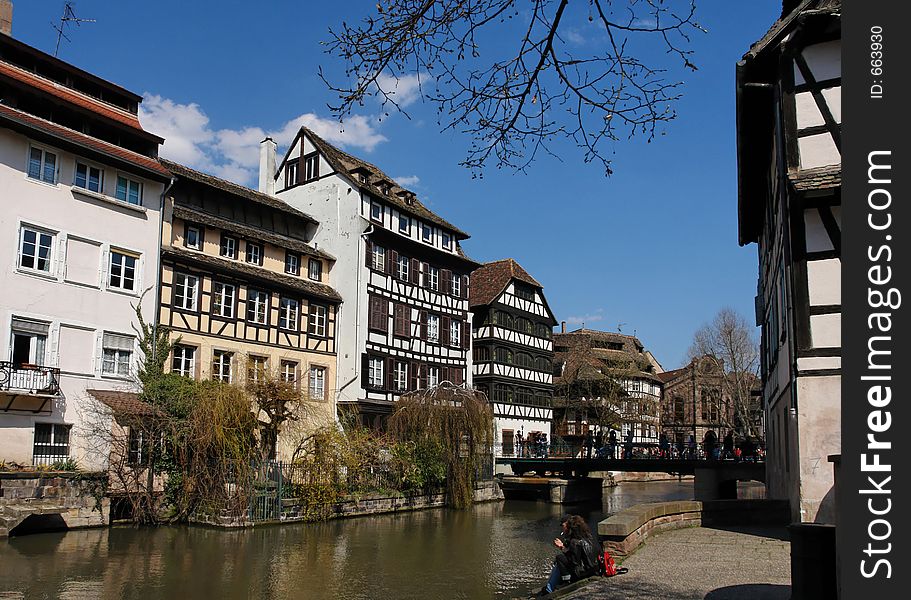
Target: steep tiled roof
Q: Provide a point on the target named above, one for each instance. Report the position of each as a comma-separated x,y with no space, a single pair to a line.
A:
300,284
233,188
669,375
124,403
345,163
782,25
74,97
491,279
819,178
72,136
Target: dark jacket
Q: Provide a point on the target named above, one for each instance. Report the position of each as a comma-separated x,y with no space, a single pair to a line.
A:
583,555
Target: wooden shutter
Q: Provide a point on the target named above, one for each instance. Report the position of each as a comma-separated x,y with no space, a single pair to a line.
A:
466,334
368,257
365,371
422,318
413,369
446,281
422,376
464,290
390,373
392,263
444,374
445,324
383,314
415,274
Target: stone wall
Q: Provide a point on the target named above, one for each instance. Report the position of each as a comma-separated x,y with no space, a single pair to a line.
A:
78,499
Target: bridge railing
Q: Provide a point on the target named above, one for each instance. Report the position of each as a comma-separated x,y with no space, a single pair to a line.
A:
649,451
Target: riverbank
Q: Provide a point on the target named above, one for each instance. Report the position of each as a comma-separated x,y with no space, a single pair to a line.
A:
700,563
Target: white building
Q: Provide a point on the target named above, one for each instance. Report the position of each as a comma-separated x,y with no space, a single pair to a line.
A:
80,222
403,278
789,163
513,351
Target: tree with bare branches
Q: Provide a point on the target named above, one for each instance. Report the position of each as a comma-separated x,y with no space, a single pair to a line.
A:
515,76
730,341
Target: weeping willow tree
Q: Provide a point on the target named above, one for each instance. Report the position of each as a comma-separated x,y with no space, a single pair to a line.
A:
458,422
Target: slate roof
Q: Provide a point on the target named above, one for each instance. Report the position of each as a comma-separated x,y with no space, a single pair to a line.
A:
782,25
84,101
586,362
299,284
489,281
124,403
819,178
234,189
71,135
345,163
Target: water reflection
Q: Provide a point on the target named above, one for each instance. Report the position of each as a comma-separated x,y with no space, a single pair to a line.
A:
496,550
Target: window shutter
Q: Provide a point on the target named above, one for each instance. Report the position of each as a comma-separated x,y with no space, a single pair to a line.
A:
444,373
422,376
392,261
383,309
415,273
445,324
390,373
446,281
368,256
466,334
412,376
464,289
422,318
365,371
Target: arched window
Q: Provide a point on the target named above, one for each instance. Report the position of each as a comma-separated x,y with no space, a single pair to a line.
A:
504,356
524,360
503,319
543,331
543,364
523,325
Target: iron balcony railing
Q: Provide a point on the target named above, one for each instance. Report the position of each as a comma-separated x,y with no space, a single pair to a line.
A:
29,379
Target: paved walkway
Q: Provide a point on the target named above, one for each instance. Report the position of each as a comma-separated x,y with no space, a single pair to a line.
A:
702,564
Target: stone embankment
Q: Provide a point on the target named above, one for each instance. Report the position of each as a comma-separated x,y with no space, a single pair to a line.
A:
47,500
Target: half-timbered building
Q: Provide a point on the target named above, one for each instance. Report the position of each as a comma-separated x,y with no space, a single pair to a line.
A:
400,268
244,291
80,185
513,350
789,198
605,380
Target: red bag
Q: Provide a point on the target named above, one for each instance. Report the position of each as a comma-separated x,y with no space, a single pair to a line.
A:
608,567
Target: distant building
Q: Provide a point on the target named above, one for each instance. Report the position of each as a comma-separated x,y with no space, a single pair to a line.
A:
695,401
245,292
513,350
405,323
789,201
605,380
81,187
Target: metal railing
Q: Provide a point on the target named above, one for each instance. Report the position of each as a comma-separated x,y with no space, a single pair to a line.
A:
648,451
29,379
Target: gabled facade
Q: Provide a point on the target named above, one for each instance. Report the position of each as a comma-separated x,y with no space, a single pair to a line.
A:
400,268
244,291
695,401
81,188
513,350
605,378
789,200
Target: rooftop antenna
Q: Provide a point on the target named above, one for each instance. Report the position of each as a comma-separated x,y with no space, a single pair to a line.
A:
69,16
620,326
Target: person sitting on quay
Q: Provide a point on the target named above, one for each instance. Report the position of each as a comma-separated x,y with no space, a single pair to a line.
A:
578,556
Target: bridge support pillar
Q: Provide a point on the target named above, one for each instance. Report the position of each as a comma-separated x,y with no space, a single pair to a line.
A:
714,484
553,489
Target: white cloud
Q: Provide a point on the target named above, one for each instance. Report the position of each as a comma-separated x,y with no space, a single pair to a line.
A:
233,154
589,318
408,180
404,90
575,36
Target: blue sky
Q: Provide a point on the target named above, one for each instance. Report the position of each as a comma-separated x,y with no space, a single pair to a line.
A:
652,249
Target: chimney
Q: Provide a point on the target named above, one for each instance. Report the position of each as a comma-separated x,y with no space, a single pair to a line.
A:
562,326
266,166
6,17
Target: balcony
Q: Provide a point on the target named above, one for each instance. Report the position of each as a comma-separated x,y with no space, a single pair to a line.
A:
27,388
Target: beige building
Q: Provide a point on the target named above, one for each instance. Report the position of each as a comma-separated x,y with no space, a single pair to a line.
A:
243,292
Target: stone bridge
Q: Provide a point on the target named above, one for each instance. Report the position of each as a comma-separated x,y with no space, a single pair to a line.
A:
48,500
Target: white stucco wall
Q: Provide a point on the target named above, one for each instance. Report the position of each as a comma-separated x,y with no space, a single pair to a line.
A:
73,298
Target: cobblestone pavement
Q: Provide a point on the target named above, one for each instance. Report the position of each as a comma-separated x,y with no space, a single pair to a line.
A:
701,563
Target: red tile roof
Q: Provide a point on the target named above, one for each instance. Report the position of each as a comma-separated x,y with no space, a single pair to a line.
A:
124,403
79,99
81,139
491,279
669,375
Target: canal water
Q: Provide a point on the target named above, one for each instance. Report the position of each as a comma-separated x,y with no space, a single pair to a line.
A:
494,550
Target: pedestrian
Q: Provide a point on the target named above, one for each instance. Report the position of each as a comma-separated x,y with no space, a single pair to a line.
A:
664,446
578,556
589,443
709,444
543,445
612,443
628,444
519,444
691,446
599,442
727,446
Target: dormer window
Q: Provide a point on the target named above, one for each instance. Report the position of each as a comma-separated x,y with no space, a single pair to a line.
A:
291,173
311,166
404,223
447,240
362,177
426,233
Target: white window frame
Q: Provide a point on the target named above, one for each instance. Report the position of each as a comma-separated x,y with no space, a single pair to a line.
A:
318,319
129,182
455,333
455,285
228,246
426,233
406,221
404,267
375,372
116,362
260,305
88,173
288,313
254,258
221,300
433,327
317,383
42,168
376,207
190,291
198,244
187,366
292,263
121,275
222,366
401,376
447,240
379,258
286,375
311,167
433,277
52,252
315,267
433,376
51,456
259,366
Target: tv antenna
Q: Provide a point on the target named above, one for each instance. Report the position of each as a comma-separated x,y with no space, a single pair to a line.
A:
620,326
69,16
